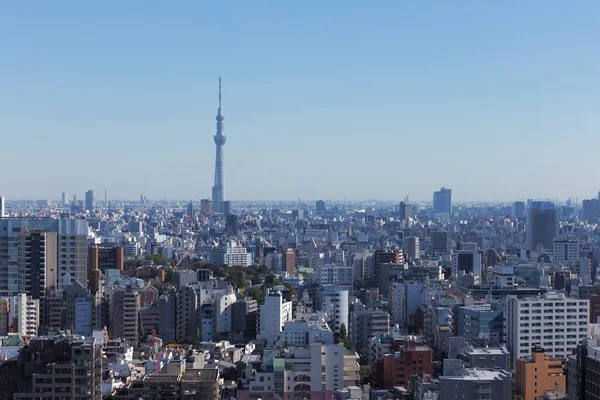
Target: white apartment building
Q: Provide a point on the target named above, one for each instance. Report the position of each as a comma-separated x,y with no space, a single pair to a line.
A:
231,254
273,315
28,315
332,273
223,308
303,372
335,301
565,250
305,332
555,322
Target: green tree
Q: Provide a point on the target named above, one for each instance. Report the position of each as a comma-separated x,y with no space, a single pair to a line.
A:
158,259
343,332
257,294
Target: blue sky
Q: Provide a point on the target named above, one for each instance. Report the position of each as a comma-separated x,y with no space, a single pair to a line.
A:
321,99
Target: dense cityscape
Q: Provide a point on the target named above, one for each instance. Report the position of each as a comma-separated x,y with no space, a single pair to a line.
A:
214,299
287,200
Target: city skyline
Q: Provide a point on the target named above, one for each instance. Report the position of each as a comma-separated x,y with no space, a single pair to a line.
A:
307,104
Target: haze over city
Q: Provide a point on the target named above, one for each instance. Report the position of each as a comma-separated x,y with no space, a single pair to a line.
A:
332,100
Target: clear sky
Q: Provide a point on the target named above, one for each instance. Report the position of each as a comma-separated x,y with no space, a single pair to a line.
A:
322,99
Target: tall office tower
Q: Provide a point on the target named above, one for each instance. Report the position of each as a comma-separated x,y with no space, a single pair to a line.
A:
518,209
65,198
142,199
439,242
125,307
2,206
405,210
590,210
232,226
542,225
74,199
68,248
412,247
442,202
218,190
206,207
190,212
226,207
320,205
90,200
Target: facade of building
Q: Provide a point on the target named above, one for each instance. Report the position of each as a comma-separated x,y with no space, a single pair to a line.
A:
273,315
476,384
60,246
538,373
125,307
442,202
542,225
565,250
553,321
400,366
412,247
482,321
231,254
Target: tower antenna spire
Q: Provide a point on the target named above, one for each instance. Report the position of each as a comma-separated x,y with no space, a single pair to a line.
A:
220,85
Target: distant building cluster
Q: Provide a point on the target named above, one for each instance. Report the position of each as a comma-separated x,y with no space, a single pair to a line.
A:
206,299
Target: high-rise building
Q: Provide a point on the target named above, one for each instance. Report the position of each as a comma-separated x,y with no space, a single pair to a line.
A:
439,242
589,209
37,263
206,206
167,312
244,319
583,370
335,301
518,209
226,207
90,200
232,226
65,198
412,247
553,321
67,249
27,311
125,307
442,202
186,317
218,190
289,261
542,225
2,206
190,212
405,211
320,205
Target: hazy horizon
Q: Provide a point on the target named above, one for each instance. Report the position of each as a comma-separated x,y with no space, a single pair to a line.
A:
492,100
